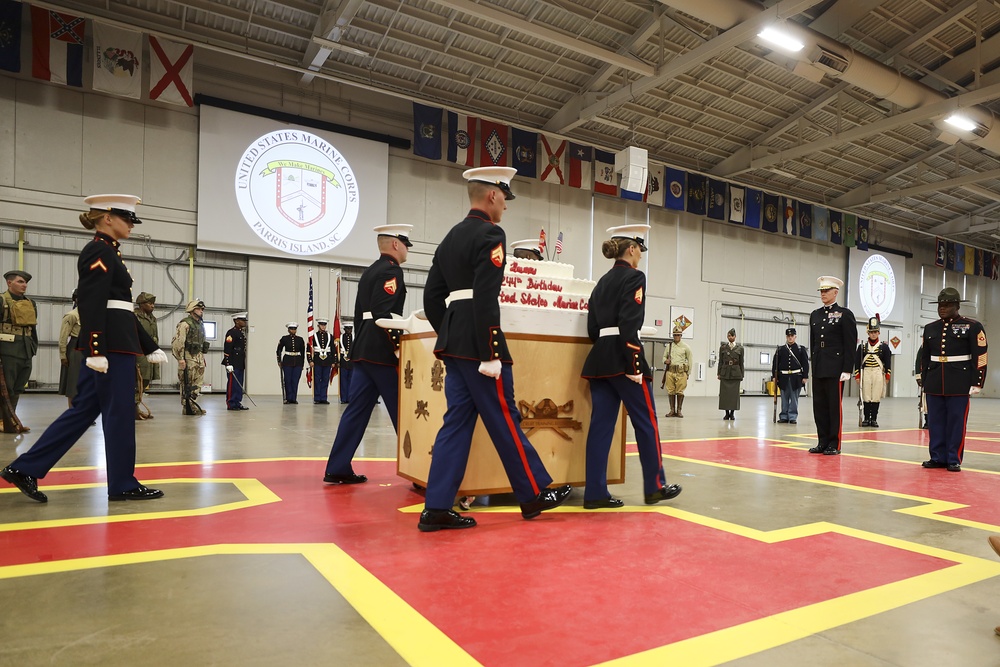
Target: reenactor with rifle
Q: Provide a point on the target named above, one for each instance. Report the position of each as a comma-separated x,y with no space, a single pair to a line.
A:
189,347
677,361
872,370
789,372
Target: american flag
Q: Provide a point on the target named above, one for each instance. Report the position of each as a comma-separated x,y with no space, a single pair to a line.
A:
559,244
309,332
336,327
541,241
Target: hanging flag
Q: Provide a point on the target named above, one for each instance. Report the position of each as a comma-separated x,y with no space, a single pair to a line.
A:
541,241
862,237
987,264
736,204
426,129
697,191
850,229
117,61
336,328
789,223
754,201
716,199
836,227
805,212
941,252
995,263
461,138
309,333
949,262
10,35
171,75
57,47
970,260
821,223
604,173
674,193
581,166
960,257
552,159
523,145
654,185
770,210
493,148
559,244
979,262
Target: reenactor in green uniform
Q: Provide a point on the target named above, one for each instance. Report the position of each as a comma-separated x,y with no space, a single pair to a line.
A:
145,303
18,341
677,361
730,375
189,347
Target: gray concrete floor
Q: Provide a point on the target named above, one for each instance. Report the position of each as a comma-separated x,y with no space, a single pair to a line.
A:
270,608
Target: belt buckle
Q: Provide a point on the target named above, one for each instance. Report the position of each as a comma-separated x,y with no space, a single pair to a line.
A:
822,343
944,360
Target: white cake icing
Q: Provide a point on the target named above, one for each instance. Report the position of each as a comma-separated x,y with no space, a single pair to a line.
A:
539,297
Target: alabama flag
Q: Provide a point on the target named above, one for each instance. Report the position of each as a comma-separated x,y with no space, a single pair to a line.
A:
57,47
117,61
171,74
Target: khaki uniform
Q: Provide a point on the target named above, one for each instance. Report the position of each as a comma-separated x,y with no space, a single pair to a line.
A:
677,359
148,371
18,342
190,345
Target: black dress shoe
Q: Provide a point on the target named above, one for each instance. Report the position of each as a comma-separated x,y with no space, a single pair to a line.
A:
873,424
432,520
817,450
831,451
954,467
138,493
344,479
27,484
242,407
610,501
322,402
866,423
934,464
782,421
293,402
665,493
546,500
792,421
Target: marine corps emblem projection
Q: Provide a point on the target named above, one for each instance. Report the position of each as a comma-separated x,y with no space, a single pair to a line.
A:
297,192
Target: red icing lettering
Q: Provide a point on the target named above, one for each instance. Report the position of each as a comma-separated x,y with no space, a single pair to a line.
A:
517,268
545,285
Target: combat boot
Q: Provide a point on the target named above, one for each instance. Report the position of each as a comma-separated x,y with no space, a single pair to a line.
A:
673,403
680,404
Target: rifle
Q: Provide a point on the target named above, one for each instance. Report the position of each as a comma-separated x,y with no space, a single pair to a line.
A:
281,381
188,410
774,409
663,382
139,393
920,407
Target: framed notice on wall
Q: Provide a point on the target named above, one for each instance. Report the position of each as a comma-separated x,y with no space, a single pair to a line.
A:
683,317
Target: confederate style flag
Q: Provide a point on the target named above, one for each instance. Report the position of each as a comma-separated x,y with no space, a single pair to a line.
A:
171,71
57,47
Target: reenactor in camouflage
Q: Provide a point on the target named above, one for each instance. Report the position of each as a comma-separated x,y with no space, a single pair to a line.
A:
189,347
145,303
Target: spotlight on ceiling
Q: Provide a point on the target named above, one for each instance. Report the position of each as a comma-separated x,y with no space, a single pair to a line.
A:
777,37
961,122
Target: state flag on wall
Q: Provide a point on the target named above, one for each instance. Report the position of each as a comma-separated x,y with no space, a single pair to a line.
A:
987,259
716,199
57,47
654,185
754,200
979,262
771,213
581,166
426,125
737,205
10,35
789,221
836,227
941,252
970,260
171,80
960,257
461,139
524,148
697,192
805,212
674,193
995,264
117,61
604,173
949,261
863,231
552,158
850,229
821,223
493,149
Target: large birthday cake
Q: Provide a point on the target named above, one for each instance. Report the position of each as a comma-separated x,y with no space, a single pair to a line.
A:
541,297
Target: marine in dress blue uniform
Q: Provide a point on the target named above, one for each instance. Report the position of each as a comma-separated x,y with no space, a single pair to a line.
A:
110,339
461,302
617,371
346,365
872,370
790,370
234,358
291,353
324,358
953,368
381,295
833,335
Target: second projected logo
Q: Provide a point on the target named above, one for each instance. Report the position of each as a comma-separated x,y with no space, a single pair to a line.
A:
297,192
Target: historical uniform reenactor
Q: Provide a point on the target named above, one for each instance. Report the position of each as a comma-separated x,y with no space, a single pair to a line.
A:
954,368
346,365
18,345
234,359
617,372
381,295
461,301
833,335
872,370
677,362
70,358
291,353
189,348
918,371
789,372
323,361
145,304
730,375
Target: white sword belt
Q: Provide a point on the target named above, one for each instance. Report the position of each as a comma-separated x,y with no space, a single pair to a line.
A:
957,357
119,305
458,295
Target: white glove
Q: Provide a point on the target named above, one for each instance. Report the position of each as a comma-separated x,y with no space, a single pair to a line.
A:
844,377
635,378
974,390
99,364
229,368
157,357
491,368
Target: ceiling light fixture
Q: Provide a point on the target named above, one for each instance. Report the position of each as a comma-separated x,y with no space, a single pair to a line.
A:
337,46
961,122
778,37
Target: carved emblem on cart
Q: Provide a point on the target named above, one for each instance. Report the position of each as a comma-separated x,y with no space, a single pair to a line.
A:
421,410
437,375
407,445
545,414
408,375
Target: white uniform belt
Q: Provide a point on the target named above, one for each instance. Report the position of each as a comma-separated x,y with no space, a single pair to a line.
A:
795,372
119,305
609,331
292,354
367,315
458,295
957,357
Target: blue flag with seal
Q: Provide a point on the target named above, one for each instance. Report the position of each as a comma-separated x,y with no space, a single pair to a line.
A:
697,192
676,183
716,199
805,212
949,262
836,227
821,223
427,131
754,201
10,35
523,146
862,238
770,222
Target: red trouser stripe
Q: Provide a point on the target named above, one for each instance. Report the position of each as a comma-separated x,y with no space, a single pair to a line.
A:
514,436
651,414
229,388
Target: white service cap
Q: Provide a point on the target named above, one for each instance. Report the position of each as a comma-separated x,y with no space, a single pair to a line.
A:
292,325
322,320
498,176
527,244
636,233
123,205
401,231
829,282
240,316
